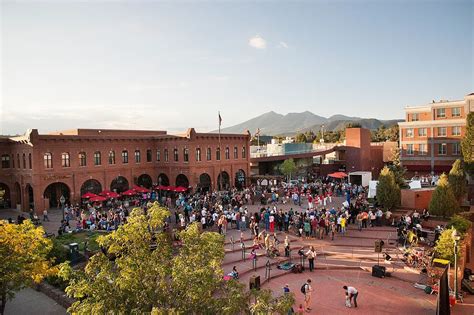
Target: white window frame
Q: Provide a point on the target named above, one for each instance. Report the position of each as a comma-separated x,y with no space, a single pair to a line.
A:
445,132
409,133
423,151
457,114
410,149
442,145
423,134
438,113
458,128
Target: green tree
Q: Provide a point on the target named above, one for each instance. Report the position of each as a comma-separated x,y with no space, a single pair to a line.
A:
300,138
443,202
398,170
467,142
388,192
461,224
288,167
457,180
266,303
140,271
444,248
23,255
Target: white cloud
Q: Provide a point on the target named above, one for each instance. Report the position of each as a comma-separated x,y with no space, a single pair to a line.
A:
257,42
282,45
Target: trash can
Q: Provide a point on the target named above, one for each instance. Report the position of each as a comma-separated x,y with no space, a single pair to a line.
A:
73,252
254,282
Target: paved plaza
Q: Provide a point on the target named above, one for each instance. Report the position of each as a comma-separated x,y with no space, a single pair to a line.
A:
345,261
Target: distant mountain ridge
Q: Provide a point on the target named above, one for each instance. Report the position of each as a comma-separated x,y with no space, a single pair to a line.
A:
273,124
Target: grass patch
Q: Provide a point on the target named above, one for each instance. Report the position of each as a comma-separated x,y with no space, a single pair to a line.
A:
80,238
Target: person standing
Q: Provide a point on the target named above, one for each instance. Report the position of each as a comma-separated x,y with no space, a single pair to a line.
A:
287,246
352,293
311,253
45,215
307,290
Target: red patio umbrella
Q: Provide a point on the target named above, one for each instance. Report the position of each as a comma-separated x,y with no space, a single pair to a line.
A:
171,188
161,187
98,199
140,189
105,192
180,189
129,192
113,195
339,175
88,195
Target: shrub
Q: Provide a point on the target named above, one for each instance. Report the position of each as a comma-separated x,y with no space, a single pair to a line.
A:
461,224
444,248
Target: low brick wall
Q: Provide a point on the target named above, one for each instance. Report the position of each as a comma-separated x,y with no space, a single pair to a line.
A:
56,294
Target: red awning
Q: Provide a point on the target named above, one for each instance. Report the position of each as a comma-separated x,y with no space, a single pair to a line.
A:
88,195
161,187
418,168
171,188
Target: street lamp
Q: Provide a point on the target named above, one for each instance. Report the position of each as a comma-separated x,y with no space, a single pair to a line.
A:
456,237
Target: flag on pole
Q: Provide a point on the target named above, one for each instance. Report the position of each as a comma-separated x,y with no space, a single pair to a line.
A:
220,119
257,133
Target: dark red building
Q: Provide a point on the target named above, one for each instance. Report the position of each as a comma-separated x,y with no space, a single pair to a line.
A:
37,169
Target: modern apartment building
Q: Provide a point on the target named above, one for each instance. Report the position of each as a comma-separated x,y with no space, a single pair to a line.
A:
430,136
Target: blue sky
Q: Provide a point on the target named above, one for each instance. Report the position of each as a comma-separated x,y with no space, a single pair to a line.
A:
173,65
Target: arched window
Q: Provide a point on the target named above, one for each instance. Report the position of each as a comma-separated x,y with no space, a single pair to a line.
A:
111,157
48,160
13,160
198,154
24,160
124,156
5,161
158,155
186,155
244,153
82,159
227,153
18,160
148,155
30,162
218,154
175,154
167,158
236,153
65,159
97,158
137,156
209,154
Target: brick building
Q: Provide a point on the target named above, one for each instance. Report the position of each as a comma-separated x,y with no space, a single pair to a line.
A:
37,169
431,134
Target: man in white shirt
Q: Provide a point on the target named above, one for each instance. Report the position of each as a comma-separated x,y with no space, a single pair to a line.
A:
352,293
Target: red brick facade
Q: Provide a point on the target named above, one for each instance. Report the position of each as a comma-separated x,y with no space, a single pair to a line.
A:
430,136
37,169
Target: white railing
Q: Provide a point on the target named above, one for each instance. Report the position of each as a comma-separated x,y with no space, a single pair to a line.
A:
261,151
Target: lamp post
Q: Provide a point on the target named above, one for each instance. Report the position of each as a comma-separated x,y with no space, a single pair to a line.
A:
456,237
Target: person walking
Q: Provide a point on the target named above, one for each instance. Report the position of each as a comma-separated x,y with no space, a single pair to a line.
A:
311,254
307,290
352,293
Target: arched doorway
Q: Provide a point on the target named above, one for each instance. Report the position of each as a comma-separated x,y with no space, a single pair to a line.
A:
119,184
205,182
182,180
145,180
30,196
240,179
223,181
16,198
5,201
54,192
163,180
92,186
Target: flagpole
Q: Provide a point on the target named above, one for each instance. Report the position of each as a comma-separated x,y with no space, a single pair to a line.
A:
220,153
